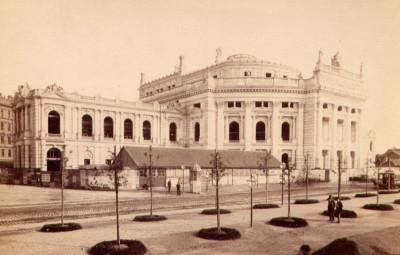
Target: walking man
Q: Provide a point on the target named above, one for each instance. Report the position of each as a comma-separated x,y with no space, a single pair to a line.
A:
339,209
169,186
178,189
331,208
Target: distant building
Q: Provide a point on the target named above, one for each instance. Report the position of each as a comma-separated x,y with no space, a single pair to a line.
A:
6,131
241,103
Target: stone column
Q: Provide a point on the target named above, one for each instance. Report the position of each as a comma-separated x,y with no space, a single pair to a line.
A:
247,126
300,133
318,151
67,126
334,138
44,127
26,127
79,122
276,131
220,125
101,126
348,141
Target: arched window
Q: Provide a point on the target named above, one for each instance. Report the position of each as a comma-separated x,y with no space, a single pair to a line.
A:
53,159
285,131
234,131
146,130
108,127
196,132
54,122
260,131
128,129
87,127
285,160
54,153
172,132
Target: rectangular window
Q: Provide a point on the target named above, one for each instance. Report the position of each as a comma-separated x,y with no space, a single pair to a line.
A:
9,140
230,104
108,161
285,104
197,105
215,76
284,76
258,104
265,104
247,73
161,172
2,126
2,152
86,161
268,75
9,153
2,111
2,139
238,104
9,127
291,105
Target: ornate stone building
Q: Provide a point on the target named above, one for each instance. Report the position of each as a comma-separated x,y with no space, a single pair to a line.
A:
6,123
241,103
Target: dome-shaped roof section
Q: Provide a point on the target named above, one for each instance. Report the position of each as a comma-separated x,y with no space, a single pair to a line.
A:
242,58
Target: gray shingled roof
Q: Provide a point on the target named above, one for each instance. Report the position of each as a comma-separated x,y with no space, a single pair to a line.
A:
175,158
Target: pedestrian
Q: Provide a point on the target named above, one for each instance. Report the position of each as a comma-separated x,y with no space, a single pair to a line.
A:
178,189
331,208
339,209
169,186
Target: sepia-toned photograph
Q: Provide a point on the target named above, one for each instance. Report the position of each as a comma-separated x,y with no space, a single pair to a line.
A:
199,127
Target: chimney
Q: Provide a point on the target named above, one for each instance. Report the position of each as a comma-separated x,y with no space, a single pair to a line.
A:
142,78
181,64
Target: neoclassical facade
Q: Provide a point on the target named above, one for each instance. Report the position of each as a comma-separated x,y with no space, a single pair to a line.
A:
6,131
241,103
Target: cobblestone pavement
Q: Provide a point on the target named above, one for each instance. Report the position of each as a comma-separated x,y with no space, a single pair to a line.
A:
89,204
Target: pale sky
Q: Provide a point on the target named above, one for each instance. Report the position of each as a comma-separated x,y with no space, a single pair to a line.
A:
100,47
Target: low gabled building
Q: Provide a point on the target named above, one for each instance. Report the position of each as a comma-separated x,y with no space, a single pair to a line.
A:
190,165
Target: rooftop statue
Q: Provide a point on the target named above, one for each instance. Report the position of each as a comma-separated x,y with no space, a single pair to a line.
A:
336,60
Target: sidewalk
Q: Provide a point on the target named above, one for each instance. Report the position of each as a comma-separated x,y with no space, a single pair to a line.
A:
176,235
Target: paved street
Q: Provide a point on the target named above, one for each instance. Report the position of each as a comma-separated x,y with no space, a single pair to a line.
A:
24,204
375,229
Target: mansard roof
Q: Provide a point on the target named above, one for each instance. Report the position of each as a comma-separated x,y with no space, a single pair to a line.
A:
138,157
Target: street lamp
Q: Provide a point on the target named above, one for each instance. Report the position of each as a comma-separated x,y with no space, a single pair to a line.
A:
183,178
251,182
283,166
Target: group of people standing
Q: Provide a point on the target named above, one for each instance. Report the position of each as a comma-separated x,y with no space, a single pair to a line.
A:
334,208
178,187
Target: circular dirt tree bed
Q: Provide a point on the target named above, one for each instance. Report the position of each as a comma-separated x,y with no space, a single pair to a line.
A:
265,206
306,201
293,222
224,234
342,198
146,218
60,228
397,201
379,207
345,214
383,192
365,195
111,247
214,211
339,246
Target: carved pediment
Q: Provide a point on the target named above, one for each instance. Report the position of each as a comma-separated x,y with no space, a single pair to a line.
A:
54,90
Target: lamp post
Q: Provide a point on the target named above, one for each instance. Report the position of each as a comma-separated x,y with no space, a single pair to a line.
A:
251,181
183,178
283,165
